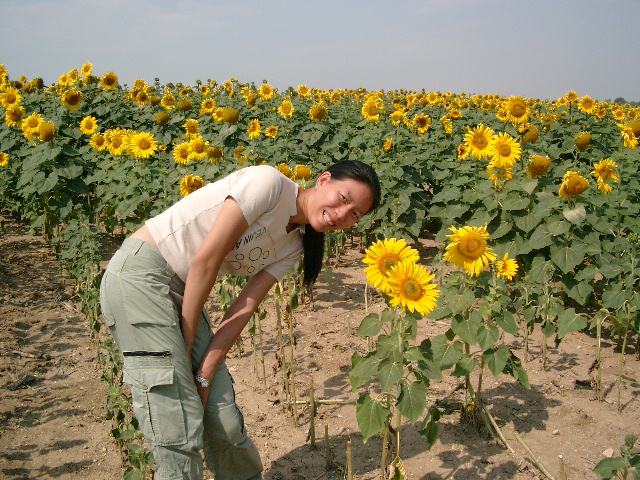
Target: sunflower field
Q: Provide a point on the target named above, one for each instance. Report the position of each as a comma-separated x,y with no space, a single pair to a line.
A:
535,205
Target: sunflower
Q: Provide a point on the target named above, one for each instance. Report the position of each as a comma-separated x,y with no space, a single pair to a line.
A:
72,99
507,267
422,122
255,130
618,114
198,148
207,106
583,140
388,144
142,97
537,166
370,111
318,113
162,118
168,101
504,150
266,91
285,110
10,97
98,142
46,131
13,115
499,173
531,135
181,153
447,125
382,256
573,184
517,110
215,154
463,151
629,137
397,117
284,169
469,249
412,288
230,115
31,126
4,159
109,81
304,91
271,132
190,184
86,69
478,140
602,171
116,141
571,97
191,128
587,105
88,125
455,113
143,144
218,114
301,172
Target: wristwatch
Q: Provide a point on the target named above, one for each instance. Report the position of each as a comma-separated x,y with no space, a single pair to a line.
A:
202,381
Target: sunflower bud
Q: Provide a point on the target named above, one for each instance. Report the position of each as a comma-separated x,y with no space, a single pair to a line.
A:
162,118
230,115
185,105
154,100
583,140
46,131
318,113
532,135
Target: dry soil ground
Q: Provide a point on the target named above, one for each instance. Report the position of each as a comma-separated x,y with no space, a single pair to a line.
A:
52,424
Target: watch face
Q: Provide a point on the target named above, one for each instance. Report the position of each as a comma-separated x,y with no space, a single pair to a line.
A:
202,381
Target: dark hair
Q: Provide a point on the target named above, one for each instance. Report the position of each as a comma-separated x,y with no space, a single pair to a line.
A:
312,240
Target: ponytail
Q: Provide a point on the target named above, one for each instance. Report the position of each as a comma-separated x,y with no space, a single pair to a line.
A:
313,255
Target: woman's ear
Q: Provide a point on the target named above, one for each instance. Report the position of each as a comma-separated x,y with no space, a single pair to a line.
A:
322,179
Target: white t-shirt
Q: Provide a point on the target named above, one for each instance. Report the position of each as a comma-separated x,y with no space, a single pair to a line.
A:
267,199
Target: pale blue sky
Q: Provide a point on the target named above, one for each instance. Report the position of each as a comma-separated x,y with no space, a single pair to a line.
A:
533,48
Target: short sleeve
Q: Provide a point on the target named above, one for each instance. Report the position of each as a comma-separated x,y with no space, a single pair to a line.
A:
257,190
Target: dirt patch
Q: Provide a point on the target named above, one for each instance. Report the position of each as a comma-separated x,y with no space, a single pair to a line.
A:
52,423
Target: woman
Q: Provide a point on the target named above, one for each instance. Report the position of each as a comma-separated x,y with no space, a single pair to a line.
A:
254,222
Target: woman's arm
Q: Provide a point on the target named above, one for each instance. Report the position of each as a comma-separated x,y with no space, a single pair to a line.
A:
235,319
203,270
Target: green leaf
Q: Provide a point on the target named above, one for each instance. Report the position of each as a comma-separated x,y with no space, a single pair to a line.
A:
362,369
496,359
370,326
465,366
430,370
460,303
514,368
575,215
372,416
541,236
567,258
445,354
389,374
429,427
488,337
608,467
508,323
466,328
412,400
528,222
570,321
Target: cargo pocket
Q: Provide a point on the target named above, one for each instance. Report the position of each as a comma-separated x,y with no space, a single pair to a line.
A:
156,399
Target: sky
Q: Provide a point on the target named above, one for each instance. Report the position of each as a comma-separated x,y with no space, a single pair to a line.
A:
530,48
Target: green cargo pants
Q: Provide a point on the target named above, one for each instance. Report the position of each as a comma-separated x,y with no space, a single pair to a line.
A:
141,298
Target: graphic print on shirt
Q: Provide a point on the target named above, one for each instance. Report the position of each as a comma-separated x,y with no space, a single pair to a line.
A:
250,261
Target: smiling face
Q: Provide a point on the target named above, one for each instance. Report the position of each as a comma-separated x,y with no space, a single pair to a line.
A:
337,204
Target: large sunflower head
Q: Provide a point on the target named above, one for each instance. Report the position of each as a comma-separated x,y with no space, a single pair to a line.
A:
587,105
13,115
583,140
573,184
230,115
31,126
181,153
537,166
412,288
109,81
72,99
190,184
318,113
266,91
191,128
301,172
86,69
468,249
46,131
198,148
507,267
10,97
504,150
143,144
478,139
284,169
98,142
384,255
422,122
88,125
254,130
285,110
4,159
517,110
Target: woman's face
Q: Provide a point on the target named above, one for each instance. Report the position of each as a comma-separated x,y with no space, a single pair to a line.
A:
337,204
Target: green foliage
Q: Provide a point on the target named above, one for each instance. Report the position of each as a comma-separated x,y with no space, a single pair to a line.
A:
620,467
